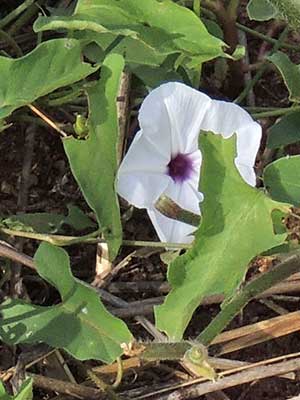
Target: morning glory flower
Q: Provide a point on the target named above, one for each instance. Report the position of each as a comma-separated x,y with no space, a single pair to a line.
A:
164,158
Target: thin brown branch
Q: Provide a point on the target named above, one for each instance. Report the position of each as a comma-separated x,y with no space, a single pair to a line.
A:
72,389
11,253
249,375
123,108
48,120
16,287
259,332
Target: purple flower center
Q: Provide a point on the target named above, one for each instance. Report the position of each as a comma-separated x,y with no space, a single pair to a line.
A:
180,168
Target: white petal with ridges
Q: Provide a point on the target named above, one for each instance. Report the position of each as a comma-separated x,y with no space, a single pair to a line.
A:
177,109
142,174
186,108
248,142
185,195
142,189
169,230
228,118
225,118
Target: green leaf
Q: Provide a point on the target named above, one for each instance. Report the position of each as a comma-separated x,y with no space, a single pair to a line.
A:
236,226
77,219
94,161
49,66
49,222
134,51
25,392
213,28
285,132
281,179
288,10
162,26
290,73
80,324
261,10
153,77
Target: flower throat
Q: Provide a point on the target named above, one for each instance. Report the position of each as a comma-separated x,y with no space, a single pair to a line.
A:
180,167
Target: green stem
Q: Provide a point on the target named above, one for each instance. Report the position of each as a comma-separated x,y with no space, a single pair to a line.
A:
227,19
91,238
159,245
70,94
197,7
289,265
68,98
252,32
15,13
253,109
57,240
155,351
275,113
13,44
262,69
25,17
264,37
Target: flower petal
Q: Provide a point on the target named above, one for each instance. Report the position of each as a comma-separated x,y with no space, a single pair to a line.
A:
174,110
142,174
142,189
170,230
247,173
225,118
248,142
228,118
185,195
142,156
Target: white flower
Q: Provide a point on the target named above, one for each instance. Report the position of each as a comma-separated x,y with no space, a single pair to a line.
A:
164,157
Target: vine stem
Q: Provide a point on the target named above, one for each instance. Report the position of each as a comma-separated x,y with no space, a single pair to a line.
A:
262,69
13,44
15,13
227,17
275,113
289,265
25,17
252,32
266,38
61,240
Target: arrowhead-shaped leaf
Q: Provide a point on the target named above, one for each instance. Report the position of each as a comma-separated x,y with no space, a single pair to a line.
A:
236,226
80,324
94,161
285,132
281,179
290,73
162,26
288,10
261,10
49,222
49,66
